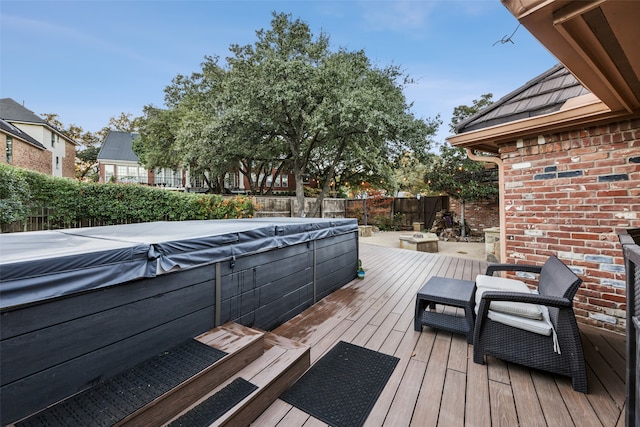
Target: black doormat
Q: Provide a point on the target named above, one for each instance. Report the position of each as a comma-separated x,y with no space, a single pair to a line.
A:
215,406
109,402
342,387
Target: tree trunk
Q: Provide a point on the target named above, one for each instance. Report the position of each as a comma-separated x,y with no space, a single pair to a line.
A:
316,209
463,232
299,192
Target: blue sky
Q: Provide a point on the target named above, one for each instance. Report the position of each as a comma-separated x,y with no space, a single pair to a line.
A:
89,60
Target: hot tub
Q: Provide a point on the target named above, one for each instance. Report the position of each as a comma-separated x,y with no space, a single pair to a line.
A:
81,305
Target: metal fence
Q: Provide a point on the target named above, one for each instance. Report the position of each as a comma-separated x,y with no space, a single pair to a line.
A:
631,249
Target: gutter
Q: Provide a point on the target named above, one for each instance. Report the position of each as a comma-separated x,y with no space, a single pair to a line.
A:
503,217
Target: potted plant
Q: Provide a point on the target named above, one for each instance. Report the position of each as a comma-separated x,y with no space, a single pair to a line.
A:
360,270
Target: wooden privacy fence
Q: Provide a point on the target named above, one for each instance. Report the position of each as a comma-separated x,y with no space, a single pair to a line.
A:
422,210
405,210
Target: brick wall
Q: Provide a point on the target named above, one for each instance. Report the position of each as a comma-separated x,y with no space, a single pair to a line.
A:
569,194
478,215
69,160
26,155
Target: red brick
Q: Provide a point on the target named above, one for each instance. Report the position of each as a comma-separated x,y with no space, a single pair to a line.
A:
582,151
587,250
611,193
27,156
607,170
602,303
602,274
571,242
625,168
595,156
599,244
610,208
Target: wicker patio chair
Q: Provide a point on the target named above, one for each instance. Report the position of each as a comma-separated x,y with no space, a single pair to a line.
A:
558,352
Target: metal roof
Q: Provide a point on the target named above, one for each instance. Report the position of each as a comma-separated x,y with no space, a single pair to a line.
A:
118,146
541,95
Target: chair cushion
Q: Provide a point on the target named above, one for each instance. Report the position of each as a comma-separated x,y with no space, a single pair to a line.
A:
541,327
489,283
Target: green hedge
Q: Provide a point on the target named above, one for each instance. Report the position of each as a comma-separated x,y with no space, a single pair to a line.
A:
14,195
23,192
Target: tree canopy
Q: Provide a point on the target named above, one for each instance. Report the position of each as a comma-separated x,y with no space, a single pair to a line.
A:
456,174
462,112
289,103
460,177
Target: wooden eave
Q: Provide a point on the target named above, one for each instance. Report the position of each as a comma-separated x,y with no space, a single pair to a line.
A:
597,40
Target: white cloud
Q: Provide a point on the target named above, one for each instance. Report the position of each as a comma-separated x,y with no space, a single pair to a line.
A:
51,31
398,15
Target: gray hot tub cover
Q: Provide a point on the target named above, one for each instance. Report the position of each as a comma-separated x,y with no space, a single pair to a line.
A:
39,265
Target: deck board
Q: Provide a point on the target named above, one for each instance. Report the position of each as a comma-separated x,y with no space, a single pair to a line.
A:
436,382
477,393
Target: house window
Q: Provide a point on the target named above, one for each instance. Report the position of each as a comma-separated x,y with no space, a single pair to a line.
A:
57,162
197,181
284,181
53,139
9,149
137,175
108,173
168,178
231,180
132,174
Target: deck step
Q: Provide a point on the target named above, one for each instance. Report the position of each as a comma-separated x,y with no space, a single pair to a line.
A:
156,390
216,405
243,345
228,375
283,362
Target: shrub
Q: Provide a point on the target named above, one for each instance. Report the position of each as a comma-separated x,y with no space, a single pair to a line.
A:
387,223
69,201
15,196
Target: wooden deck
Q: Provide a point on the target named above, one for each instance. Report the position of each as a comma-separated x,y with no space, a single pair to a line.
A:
436,382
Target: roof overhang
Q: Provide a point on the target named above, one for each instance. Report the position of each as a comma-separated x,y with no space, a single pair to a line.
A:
597,40
585,110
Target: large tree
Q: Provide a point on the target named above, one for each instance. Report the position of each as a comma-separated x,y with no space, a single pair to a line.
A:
288,102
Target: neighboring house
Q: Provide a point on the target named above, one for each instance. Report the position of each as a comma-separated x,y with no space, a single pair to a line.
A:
283,182
118,163
567,145
31,143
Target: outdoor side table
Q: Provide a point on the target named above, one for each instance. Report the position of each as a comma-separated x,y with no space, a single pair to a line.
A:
450,292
